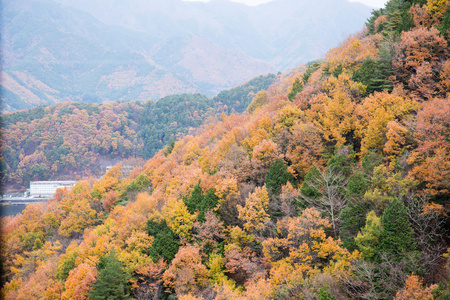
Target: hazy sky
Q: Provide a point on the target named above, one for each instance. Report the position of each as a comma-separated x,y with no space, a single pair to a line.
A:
373,3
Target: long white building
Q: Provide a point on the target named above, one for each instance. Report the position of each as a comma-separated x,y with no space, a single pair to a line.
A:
48,188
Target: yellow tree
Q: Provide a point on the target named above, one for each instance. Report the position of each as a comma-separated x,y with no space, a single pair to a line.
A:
258,131
375,113
287,116
333,112
436,6
80,282
193,151
258,101
303,243
254,213
178,218
80,217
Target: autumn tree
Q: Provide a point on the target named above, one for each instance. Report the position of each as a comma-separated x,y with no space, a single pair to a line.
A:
334,111
242,265
431,158
80,282
288,200
254,213
258,101
305,148
209,233
80,217
418,59
178,218
302,242
414,290
148,281
186,274
375,113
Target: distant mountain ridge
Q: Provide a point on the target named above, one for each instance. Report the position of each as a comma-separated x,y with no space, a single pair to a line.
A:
95,51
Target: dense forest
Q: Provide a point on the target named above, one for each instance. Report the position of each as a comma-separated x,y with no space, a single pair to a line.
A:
334,184
73,140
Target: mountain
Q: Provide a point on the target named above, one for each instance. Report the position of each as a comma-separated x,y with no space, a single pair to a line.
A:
334,184
95,51
68,140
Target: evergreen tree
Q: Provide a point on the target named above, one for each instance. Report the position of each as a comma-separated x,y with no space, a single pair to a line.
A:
277,176
442,292
193,201
343,160
297,87
209,201
374,74
352,219
357,186
393,5
397,235
445,26
165,243
376,13
324,294
370,161
112,281
169,147
337,71
197,202
312,67
307,190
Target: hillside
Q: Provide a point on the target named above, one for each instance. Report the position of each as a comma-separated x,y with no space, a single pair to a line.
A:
97,51
334,184
73,140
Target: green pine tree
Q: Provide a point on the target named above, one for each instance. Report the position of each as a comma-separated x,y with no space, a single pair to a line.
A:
370,161
343,161
195,199
397,235
312,67
352,219
209,201
357,186
112,282
277,176
165,243
307,190
376,13
374,74
297,87
445,26
324,294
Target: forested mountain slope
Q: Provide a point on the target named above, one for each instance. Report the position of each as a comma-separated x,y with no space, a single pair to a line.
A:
72,140
333,185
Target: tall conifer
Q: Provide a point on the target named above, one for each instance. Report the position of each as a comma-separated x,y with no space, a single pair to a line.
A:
112,281
397,235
